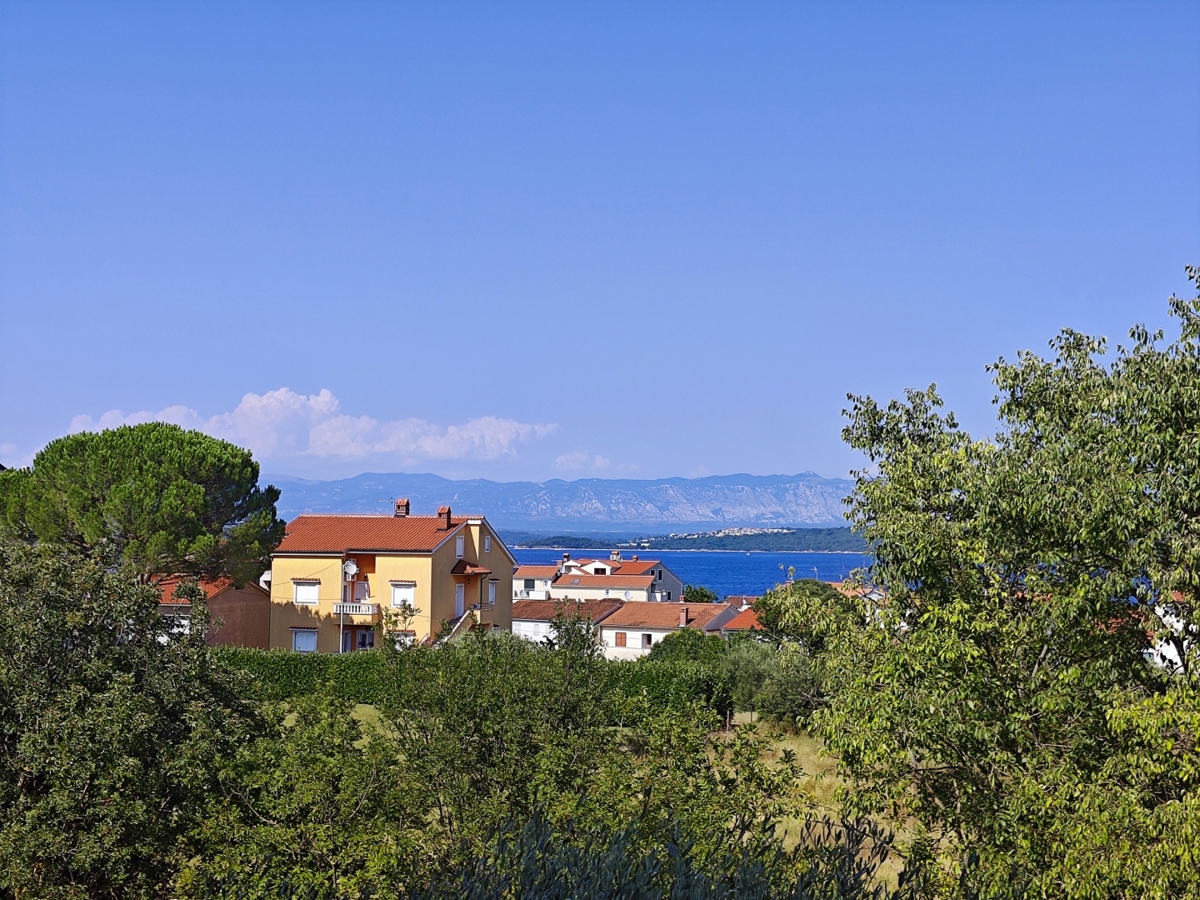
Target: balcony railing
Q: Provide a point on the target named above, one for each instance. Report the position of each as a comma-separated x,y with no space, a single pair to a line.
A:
533,595
356,609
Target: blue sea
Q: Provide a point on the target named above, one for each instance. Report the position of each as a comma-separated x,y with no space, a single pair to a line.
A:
723,571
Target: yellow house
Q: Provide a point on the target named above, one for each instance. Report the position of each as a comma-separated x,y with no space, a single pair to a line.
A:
334,579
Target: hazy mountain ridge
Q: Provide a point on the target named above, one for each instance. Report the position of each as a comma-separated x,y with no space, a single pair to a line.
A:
656,504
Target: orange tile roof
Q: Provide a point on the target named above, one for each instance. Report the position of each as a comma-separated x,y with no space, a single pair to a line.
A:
618,582
536,572
746,620
462,567
637,567
211,588
545,610
381,534
741,599
645,614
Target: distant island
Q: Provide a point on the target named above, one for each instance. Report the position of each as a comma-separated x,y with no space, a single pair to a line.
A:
776,540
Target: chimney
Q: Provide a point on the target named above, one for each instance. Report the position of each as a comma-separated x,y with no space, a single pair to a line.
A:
615,556
683,616
444,513
402,508
635,557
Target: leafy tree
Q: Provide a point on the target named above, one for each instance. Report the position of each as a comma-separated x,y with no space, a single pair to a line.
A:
809,611
110,728
160,499
792,692
689,644
1001,693
317,806
696,593
748,666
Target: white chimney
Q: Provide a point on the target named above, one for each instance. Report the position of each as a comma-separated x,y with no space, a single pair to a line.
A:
683,616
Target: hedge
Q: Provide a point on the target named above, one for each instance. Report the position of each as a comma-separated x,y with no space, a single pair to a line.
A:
359,677
365,676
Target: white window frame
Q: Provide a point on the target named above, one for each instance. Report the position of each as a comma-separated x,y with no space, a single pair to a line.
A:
460,545
304,632
460,598
404,585
492,592
487,544
314,583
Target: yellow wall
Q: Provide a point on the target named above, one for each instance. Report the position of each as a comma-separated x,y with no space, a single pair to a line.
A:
286,615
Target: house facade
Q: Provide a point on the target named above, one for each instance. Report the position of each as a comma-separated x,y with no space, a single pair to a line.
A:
334,578
532,619
635,628
241,616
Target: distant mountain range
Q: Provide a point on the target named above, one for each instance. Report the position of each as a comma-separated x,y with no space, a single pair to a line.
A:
593,504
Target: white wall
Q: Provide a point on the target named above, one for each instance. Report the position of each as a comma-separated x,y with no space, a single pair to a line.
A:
633,640
531,630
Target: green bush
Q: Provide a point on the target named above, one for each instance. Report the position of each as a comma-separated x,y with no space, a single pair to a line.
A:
671,683
361,677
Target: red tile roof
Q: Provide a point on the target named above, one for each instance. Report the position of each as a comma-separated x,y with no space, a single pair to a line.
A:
645,614
536,572
167,587
746,620
545,610
638,567
462,567
616,582
380,534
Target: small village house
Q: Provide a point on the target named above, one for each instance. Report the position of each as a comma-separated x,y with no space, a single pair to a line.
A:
636,627
532,619
333,577
646,580
241,615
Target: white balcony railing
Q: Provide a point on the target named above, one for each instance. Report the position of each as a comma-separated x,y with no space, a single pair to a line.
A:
533,595
356,609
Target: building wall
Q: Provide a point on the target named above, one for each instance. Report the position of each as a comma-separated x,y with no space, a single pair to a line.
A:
531,630
561,591
246,618
633,640
414,568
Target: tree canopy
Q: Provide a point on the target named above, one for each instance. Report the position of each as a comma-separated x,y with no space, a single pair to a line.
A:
158,498
1027,688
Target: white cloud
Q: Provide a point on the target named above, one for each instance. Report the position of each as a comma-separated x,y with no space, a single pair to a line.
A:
282,423
573,462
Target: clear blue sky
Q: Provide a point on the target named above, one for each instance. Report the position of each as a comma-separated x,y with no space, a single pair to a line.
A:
565,240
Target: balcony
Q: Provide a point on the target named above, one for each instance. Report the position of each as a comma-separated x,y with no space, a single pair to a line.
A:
356,609
532,595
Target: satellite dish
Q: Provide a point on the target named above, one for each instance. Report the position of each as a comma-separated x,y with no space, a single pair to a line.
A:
351,569
629,595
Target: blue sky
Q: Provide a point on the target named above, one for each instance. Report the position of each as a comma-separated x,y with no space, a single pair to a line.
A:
523,241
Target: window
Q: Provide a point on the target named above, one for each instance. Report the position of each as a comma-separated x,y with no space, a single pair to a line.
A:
460,599
304,640
404,593
602,571
492,593
366,638
620,637
362,592
460,543
306,591
529,584
660,574
647,639
487,544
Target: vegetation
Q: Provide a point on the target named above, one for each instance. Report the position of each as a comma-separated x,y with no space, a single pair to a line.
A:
156,498
697,593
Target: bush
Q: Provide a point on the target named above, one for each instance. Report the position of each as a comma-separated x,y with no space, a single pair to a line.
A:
669,684
748,666
360,677
793,691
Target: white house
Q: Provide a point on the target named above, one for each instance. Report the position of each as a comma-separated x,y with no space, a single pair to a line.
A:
641,579
532,618
636,627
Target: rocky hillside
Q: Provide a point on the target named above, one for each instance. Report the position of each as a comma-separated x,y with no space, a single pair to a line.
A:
659,506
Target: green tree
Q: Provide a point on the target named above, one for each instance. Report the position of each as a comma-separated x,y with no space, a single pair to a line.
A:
1000,693
689,644
159,499
317,806
696,593
111,725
